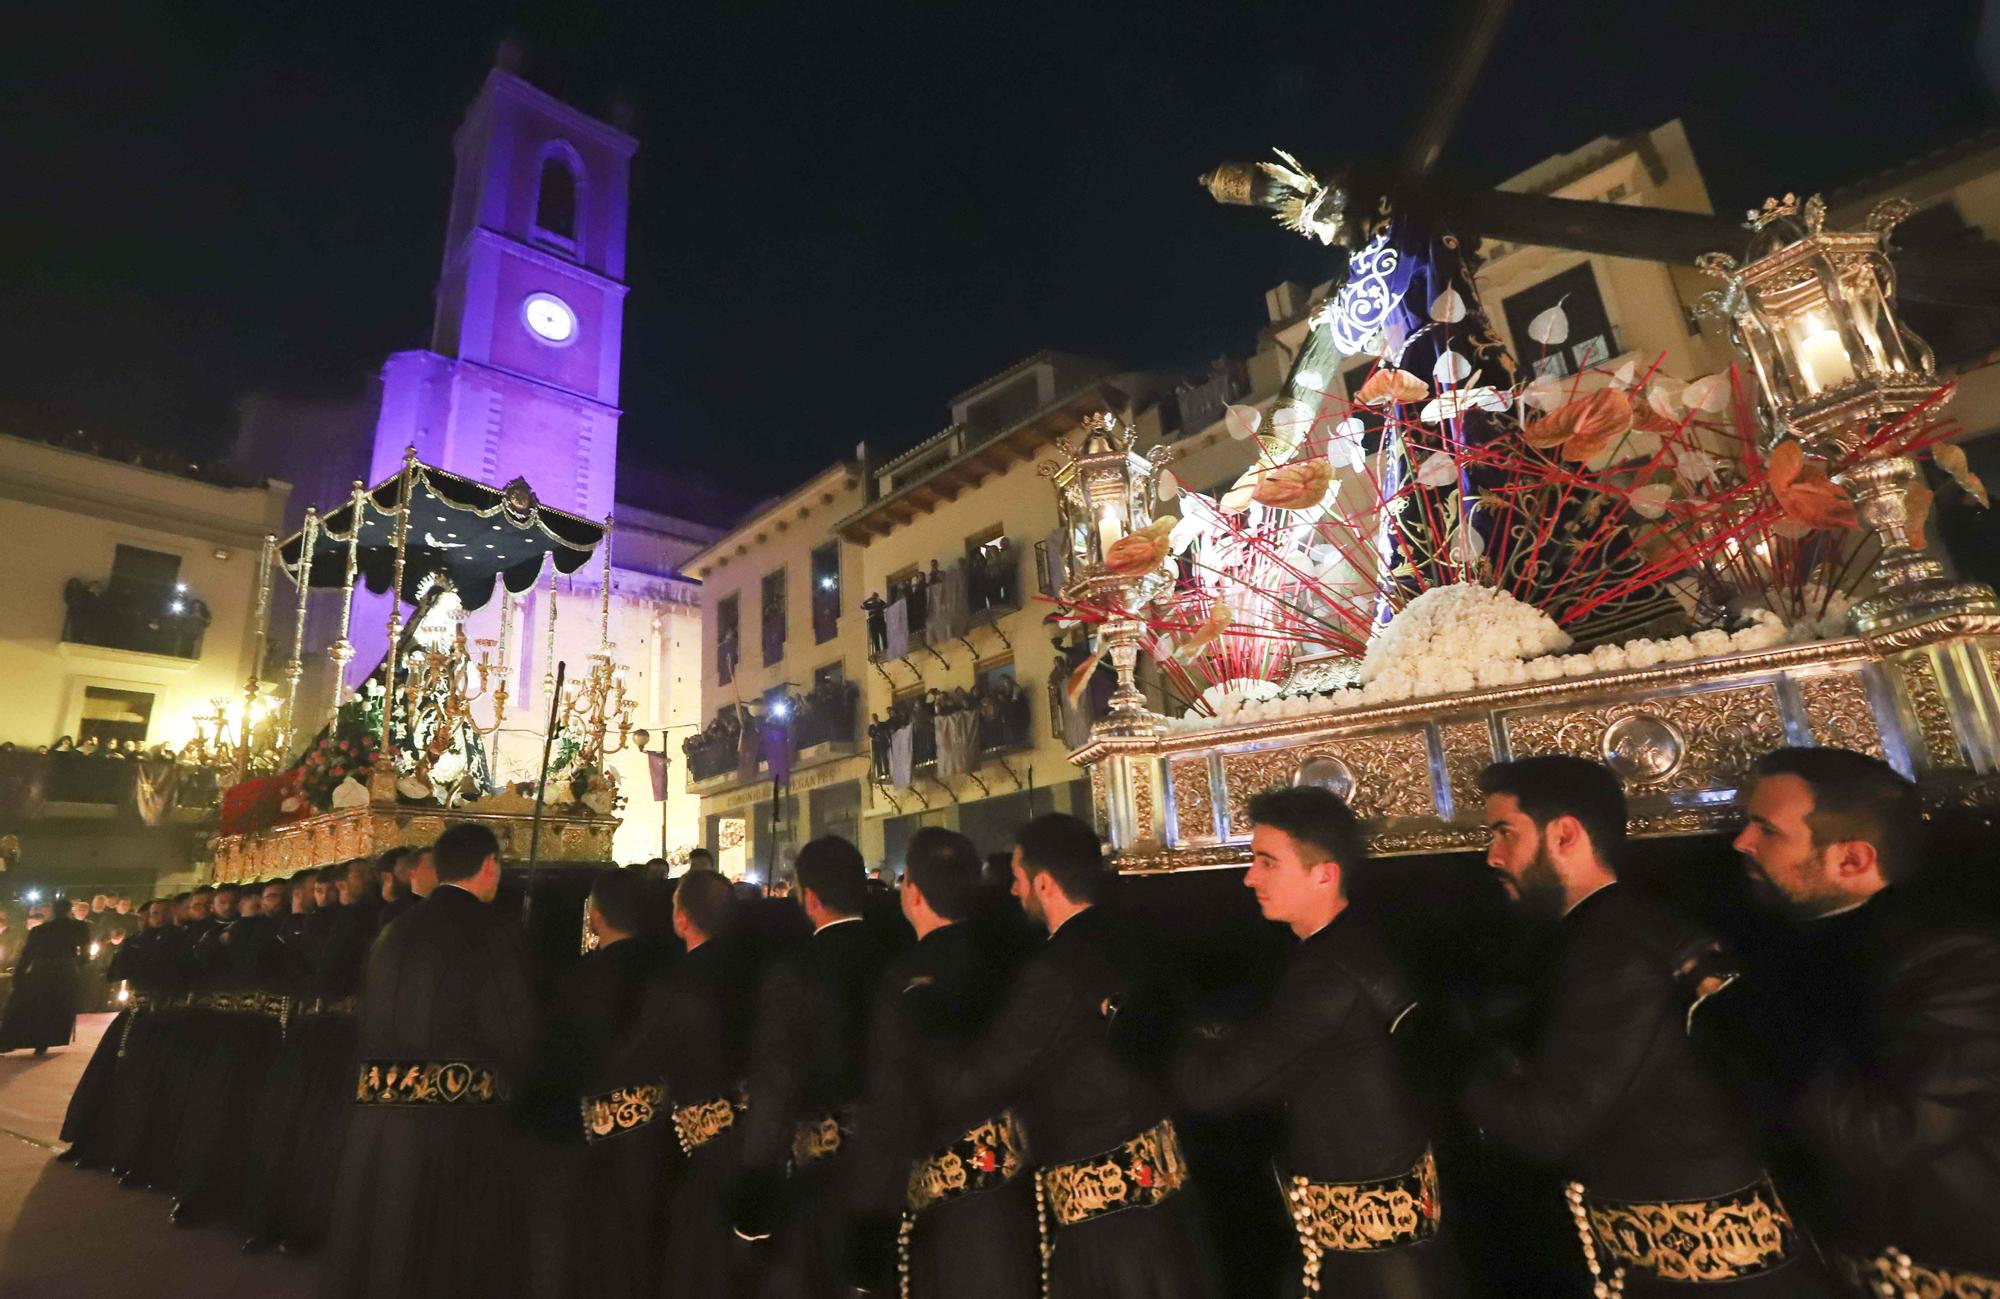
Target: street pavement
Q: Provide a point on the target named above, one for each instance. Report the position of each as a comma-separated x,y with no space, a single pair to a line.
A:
66,1234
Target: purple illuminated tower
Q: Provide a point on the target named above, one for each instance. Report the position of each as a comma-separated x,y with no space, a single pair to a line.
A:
521,378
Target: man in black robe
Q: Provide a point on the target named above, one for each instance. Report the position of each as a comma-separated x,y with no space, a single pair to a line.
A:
806,1077
597,1107
696,1034
42,1011
91,1123
1066,1053
153,962
1358,1173
397,868
1612,1092
944,1198
425,1203
1872,1028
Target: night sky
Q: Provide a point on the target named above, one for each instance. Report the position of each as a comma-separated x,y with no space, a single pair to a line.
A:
842,214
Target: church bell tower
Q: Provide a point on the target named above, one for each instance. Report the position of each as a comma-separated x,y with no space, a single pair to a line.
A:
521,378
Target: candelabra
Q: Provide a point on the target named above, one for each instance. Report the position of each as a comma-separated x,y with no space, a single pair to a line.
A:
441,686
596,706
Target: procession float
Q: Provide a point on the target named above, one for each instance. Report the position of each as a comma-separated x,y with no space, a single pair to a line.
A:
1472,558
412,748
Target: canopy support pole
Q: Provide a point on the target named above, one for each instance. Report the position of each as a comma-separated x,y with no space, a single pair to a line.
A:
296,669
342,649
396,602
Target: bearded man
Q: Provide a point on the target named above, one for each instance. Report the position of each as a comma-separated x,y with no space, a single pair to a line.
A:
1611,1092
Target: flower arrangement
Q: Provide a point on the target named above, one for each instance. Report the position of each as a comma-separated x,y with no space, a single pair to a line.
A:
333,758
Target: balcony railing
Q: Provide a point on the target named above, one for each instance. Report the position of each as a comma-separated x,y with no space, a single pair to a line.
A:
153,788
740,742
139,617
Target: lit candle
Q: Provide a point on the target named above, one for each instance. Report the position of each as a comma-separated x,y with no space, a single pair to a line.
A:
1107,531
1823,361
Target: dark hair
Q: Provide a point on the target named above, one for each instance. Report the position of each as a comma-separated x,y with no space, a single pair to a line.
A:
944,866
1555,785
620,897
461,851
306,876
999,871
201,889
1067,850
387,861
706,899
833,869
697,855
332,874
1314,816
1856,798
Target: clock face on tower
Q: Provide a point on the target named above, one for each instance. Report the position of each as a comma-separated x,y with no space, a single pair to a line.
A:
549,318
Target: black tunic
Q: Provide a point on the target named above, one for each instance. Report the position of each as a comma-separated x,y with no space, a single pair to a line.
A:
1324,1049
936,999
1050,1053
696,1031
1901,1113
425,1202
91,1123
42,1011
335,949
806,1063
1613,1093
595,1225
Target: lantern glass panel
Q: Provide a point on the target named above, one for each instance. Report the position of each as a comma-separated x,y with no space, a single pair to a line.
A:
1818,352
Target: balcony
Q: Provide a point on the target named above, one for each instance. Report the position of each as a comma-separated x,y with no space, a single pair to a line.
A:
998,722
741,743
152,788
935,608
139,618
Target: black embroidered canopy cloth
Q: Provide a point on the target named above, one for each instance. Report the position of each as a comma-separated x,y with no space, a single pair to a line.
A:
472,533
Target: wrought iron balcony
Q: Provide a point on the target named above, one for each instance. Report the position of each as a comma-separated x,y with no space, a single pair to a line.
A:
139,617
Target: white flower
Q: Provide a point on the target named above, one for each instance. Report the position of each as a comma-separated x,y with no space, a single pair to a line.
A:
1438,470
1711,640
1695,465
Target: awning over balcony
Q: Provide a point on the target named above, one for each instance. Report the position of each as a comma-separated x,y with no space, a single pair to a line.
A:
472,533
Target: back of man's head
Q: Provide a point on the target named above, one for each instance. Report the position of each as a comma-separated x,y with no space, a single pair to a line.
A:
1317,819
944,867
462,850
700,859
1556,785
1068,851
1856,798
833,869
706,899
620,897
390,859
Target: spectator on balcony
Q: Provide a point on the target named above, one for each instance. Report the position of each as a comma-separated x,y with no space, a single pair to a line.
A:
878,624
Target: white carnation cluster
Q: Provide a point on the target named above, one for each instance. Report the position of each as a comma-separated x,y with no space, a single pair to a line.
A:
1462,637
1455,638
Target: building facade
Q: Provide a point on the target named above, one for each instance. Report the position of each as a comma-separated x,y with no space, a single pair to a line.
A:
784,649
127,611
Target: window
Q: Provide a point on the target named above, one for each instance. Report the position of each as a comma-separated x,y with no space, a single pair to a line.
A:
728,645
773,606
136,568
1590,340
992,572
828,677
555,200
1006,408
114,716
826,592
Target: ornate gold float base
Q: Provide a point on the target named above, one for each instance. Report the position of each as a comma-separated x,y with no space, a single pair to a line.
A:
1926,697
365,831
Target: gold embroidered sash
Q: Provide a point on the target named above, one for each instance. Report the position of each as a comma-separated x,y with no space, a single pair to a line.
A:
986,1156
1742,1234
1361,1217
698,1124
1895,1274
1142,1172
621,1110
427,1082
819,1138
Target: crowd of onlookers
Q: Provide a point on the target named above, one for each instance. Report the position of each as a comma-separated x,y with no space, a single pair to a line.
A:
111,919
1001,720
797,720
